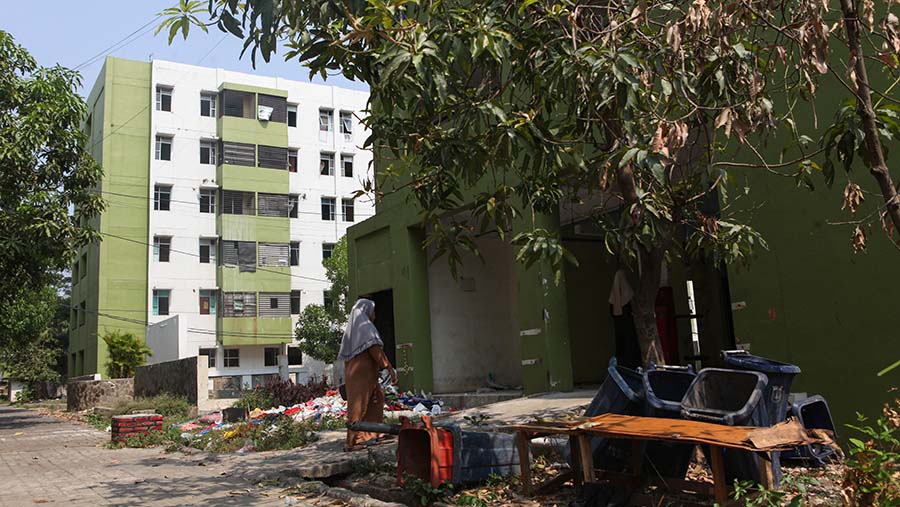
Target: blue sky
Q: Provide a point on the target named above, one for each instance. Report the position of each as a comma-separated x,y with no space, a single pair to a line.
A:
72,32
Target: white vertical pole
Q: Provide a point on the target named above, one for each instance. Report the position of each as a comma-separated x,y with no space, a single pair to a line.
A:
695,334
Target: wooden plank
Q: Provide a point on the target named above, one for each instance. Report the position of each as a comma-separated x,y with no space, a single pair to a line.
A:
586,455
765,465
574,453
555,483
720,484
523,442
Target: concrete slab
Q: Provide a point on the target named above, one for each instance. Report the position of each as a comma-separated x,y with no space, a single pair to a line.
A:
463,401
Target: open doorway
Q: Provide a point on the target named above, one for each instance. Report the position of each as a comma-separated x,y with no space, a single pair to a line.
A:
384,321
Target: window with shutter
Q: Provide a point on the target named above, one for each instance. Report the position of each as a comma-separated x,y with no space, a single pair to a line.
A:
229,252
328,208
275,304
208,150
293,160
239,154
278,105
239,104
238,203
274,254
208,104
295,253
272,157
239,304
273,205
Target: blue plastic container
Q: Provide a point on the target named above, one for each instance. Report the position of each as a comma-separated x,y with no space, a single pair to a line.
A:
621,393
813,413
479,455
664,388
781,376
734,398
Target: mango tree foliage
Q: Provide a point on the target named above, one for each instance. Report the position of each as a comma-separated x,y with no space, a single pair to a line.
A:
632,105
46,170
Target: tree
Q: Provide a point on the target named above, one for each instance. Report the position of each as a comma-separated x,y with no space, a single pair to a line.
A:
34,357
319,329
126,353
319,334
633,105
46,169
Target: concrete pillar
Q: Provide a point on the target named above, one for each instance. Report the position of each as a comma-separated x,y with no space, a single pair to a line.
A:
543,320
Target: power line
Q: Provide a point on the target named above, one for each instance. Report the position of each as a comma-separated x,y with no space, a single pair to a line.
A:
258,268
121,43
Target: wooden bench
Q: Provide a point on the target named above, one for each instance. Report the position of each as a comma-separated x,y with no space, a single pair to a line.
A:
641,429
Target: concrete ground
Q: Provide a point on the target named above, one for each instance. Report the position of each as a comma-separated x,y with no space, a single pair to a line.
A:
520,410
45,460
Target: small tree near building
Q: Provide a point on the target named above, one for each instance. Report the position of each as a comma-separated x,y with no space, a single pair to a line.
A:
319,334
126,353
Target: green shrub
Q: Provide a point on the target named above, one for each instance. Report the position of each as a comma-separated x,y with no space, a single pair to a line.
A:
872,476
126,353
282,392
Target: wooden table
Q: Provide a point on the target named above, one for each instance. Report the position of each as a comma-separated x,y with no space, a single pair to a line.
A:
761,441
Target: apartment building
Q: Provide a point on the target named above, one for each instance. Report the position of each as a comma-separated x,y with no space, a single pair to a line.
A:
225,193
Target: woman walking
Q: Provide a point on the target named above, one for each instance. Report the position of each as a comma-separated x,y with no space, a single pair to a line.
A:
363,354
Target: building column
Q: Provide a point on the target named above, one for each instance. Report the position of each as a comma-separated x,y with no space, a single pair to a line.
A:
412,321
543,320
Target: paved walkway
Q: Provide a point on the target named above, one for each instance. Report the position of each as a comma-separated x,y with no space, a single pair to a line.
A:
45,460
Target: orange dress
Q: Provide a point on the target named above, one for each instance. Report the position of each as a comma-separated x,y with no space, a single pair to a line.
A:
365,398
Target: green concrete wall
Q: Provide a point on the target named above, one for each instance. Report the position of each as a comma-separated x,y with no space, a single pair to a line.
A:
253,228
116,282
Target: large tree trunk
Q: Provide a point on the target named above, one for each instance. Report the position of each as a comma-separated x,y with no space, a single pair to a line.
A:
643,305
865,110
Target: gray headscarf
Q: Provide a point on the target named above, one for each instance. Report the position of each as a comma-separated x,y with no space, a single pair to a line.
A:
360,333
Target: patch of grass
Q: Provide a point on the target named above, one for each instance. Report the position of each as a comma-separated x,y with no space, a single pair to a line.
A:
424,492
98,420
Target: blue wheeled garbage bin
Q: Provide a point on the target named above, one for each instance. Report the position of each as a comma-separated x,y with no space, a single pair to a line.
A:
664,388
780,375
734,398
813,413
621,393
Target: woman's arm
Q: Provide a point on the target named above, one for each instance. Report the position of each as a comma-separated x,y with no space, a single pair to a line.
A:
377,353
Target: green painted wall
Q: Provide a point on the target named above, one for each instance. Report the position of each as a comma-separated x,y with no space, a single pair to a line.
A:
253,228
116,282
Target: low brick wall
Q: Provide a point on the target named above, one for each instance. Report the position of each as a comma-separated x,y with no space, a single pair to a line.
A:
87,394
186,377
124,426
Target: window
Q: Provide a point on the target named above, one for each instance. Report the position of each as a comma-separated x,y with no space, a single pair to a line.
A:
293,206
207,302
161,300
274,254
295,253
207,250
163,98
232,358
277,105
239,154
273,205
328,208
272,157
210,354
207,200
325,117
347,125
84,266
292,115
162,197
326,164
275,304
208,104
295,356
347,209
327,250
82,313
292,161
271,356
208,152
239,253
295,302
163,148
347,165
239,304
238,203
73,320
239,104
75,276
162,246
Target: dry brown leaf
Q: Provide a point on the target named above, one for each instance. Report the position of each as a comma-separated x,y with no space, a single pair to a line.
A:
673,37
724,120
859,239
853,197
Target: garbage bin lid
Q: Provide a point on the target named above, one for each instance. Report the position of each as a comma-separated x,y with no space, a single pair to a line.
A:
748,361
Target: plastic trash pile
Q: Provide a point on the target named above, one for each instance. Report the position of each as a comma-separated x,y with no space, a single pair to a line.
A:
422,403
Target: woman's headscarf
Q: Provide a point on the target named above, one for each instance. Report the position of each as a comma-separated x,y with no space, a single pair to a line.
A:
360,333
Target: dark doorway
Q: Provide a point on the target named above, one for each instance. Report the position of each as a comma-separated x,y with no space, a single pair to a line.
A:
384,321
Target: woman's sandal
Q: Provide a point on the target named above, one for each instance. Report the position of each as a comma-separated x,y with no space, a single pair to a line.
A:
355,448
